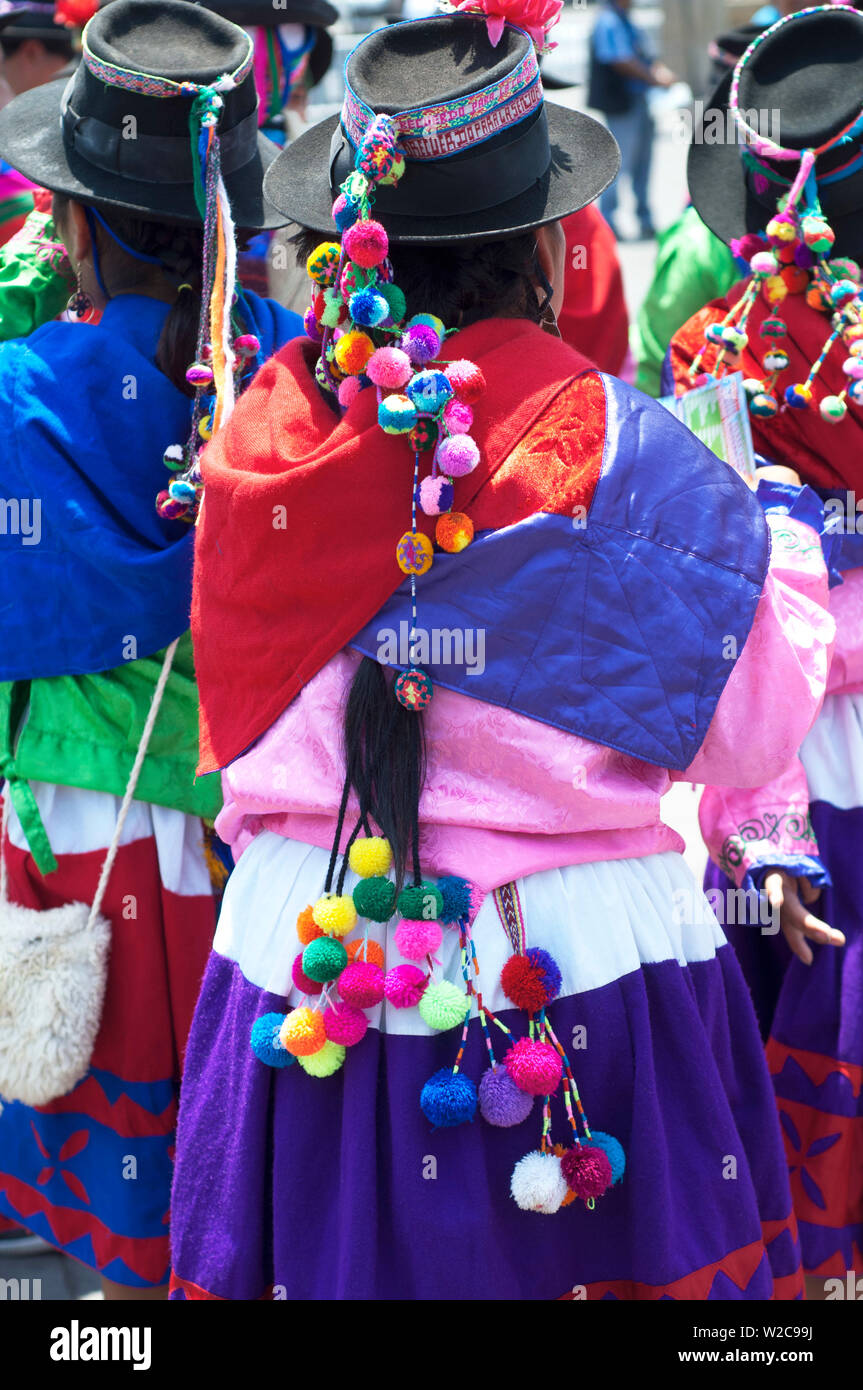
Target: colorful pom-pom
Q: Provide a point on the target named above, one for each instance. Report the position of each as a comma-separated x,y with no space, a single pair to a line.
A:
773,327
417,939
345,1024
247,344
467,381
448,1099
323,263
302,1032
397,414
334,310
458,455
405,985
413,689
375,898
389,368
798,396
430,391
423,436
368,307
366,243
501,1102
833,409
776,360
855,392
371,856
421,343
302,981
613,1150
454,532
167,508
325,1061
458,417
199,374
587,1171
436,495
534,1066
335,914
362,983
265,1041
174,457
311,325
458,898
538,1184
443,1006
421,900
396,300
764,406
354,278
364,949
531,981
345,213
323,960
307,928
182,491
764,263
353,351
414,553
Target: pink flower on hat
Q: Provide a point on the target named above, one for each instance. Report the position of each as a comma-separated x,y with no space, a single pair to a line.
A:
535,16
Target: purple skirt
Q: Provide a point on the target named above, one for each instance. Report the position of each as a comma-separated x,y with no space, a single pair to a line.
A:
287,1186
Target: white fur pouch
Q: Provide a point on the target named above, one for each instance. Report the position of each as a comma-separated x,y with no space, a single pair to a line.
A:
53,967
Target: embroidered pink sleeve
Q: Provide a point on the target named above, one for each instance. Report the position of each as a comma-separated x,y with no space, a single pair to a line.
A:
748,831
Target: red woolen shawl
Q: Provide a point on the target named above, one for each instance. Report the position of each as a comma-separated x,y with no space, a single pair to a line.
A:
825,455
295,548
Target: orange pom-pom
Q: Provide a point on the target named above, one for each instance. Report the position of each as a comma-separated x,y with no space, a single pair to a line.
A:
454,531
307,928
353,351
373,953
796,280
303,1032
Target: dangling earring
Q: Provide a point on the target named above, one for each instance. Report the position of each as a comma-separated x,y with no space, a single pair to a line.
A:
549,322
80,307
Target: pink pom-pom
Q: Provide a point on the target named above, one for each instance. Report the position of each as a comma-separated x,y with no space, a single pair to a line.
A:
345,1024
389,368
421,343
362,984
587,1171
366,243
247,345
534,1066
168,507
405,985
302,981
457,417
458,455
747,246
467,381
436,495
416,938
349,389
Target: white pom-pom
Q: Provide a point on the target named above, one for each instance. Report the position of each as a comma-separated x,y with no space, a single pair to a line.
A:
538,1183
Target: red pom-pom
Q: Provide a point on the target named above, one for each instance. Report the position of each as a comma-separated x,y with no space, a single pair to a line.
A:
587,1171
534,1066
523,984
301,980
466,380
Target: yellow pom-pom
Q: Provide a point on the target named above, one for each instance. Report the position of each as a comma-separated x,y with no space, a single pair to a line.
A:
335,914
325,1061
774,289
324,262
454,531
353,351
302,1032
371,857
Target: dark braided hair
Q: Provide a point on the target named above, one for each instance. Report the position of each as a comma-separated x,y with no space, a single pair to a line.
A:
384,744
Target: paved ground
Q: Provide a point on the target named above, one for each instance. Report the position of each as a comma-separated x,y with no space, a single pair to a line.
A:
62,1278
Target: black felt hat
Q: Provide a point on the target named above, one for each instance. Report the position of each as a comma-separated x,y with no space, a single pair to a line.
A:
486,156
316,14
100,140
807,77
31,21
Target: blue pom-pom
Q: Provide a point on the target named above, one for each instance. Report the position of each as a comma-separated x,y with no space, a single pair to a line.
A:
448,1099
265,1041
345,212
541,960
368,308
430,391
457,901
613,1150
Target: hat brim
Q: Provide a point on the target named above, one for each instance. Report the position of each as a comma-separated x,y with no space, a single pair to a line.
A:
585,159
31,140
725,202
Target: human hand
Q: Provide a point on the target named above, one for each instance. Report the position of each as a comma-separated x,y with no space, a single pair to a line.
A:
784,893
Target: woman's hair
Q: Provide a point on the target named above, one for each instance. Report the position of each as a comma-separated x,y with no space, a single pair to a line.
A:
461,282
179,250
384,742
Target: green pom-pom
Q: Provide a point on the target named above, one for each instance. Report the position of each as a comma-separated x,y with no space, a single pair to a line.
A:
442,1006
421,902
325,1061
324,959
375,898
396,300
